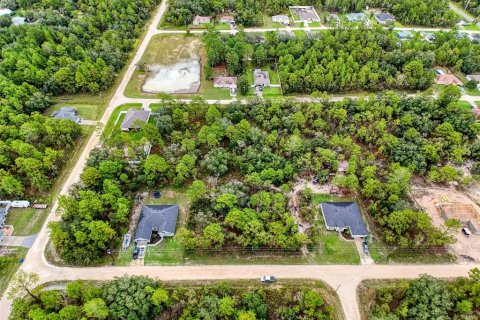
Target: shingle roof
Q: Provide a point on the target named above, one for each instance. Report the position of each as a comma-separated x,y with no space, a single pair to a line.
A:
225,82
132,116
67,113
5,11
384,17
447,79
343,215
3,215
159,217
404,34
261,78
356,16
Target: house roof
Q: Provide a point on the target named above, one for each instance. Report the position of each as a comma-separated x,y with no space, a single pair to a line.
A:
261,78
447,79
475,77
356,16
343,166
17,21
227,18
201,19
67,113
3,215
5,11
156,217
384,17
404,34
225,82
281,17
342,215
132,116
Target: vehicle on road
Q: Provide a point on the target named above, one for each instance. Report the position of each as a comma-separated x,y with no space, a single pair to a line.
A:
136,251
268,279
466,232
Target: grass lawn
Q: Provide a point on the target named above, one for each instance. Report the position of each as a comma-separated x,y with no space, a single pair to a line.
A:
85,111
10,266
300,34
111,122
315,24
26,221
472,27
268,22
474,92
272,92
477,103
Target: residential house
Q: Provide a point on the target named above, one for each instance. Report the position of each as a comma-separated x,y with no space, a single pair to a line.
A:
474,77
4,207
155,223
67,113
226,82
18,21
283,19
384,18
357,17
447,79
261,79
132,119
462,23
427,36
5,12
343,166
227,19
306,13
341,216
404,35
200,20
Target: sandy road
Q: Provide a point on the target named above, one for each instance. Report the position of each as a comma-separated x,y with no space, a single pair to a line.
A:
343,278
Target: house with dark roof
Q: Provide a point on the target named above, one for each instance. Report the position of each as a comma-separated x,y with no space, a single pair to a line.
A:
384,18
132,117
67,113
340,216
156,222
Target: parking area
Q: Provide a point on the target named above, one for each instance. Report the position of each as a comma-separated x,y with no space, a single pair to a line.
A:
445,204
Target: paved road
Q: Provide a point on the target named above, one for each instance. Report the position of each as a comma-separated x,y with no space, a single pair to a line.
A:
345,278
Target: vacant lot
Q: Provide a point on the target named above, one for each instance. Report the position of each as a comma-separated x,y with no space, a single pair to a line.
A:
430,199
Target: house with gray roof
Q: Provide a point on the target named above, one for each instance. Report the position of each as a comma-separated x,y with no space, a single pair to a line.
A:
4,207
261,79
5,12
156,221
67,113
281,18
357,17
340,216
384,18
404,35
18,21
132,119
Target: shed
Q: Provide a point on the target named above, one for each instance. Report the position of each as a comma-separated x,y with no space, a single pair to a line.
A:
132,116
156,219
340,216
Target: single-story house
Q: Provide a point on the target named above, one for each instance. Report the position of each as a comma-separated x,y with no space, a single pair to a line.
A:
356,17
405,35
384,18
67,113
462,22
5,12
306,13
131,118
261,79
227,19
18,21
199,20
156,220
4,207
447,79
281,18
225,82
474,77
340,216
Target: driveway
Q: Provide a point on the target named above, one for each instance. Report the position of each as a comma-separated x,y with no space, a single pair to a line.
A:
15,241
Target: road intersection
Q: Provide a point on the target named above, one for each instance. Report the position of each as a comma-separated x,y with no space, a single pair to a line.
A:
343,278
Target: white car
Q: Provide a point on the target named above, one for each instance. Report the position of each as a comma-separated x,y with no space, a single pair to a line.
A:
268,279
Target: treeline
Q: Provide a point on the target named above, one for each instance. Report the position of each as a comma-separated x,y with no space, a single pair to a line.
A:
68,47
472,6
143,298
423,298
343,60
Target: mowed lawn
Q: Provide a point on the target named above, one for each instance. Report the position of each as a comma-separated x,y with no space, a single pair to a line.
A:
8,267
26,221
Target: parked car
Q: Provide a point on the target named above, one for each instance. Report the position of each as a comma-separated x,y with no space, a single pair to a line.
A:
466,232
365,249
136,251
268,279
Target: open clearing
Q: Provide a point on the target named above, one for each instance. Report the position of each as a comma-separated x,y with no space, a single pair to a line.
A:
432,199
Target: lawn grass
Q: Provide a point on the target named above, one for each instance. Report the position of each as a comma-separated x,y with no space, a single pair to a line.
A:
272,92
465,105
474,92
269,24
85,111
11,266
109,127
315,24
26,221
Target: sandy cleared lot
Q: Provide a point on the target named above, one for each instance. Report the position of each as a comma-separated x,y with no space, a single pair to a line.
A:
431,198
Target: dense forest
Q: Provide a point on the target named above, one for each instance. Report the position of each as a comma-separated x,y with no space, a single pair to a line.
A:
423,298
240,162
143,298
66,47
432,13
344,60
472,6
